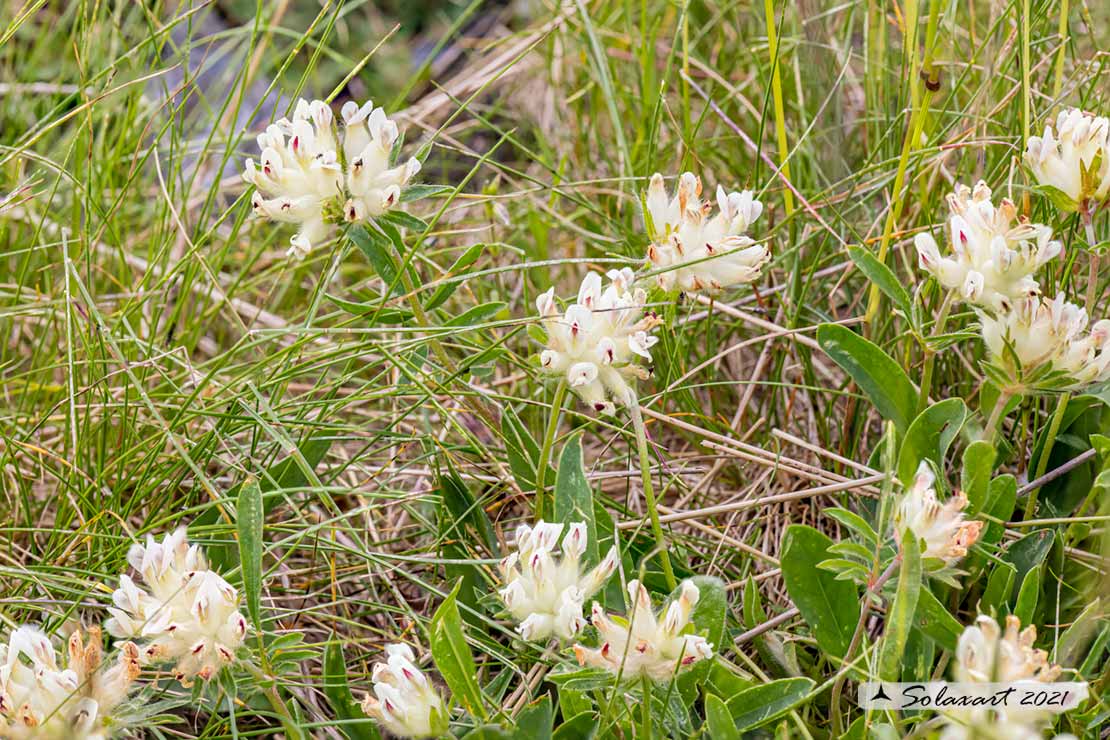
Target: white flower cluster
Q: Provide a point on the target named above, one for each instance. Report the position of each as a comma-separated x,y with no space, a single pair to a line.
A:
942,528
39,699
1040,334
545,595
1072,159
187,612
993,253
305,177
694,251
595,343
642,645
404,701
987,654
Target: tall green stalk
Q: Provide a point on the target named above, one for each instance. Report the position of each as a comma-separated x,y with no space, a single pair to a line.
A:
548,444
649,492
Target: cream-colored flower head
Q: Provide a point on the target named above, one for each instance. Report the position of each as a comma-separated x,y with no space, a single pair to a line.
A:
643,645
987,654
404,701
374,186
1072,159
302,179
945,533
1045,335
40,699
545,594
298,174
187,613
595,345
697,252
979,725
992,253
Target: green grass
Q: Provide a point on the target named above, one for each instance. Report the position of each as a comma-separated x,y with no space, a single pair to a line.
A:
158,349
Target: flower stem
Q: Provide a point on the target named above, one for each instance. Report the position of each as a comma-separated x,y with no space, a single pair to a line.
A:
1046,450
649,492
990,432
931,355
548,444
1092,281
645,710
874,587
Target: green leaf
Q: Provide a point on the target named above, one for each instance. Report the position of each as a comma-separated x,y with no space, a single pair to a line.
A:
535,721
249,517
1075,640
475,316
882,379
377,251
883,277
445,289
521,449
708,619
900,618
355,724
405,221
719,719
1059,198
1028,595
574,500
975,477
284,475
761,704
856,523
372,309
996,596
1026,554
929,437
418,192
935,622
579,727
1001,499
829,606
452,655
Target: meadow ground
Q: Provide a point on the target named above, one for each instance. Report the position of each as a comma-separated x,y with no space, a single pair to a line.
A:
355,436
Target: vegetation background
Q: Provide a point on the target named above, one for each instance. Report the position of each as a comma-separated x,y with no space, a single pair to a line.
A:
158,349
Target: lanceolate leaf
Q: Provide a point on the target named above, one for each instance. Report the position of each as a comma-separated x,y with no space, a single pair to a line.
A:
574,501
880,378
249,522
759,705
901,614
829,606
882,276
452,656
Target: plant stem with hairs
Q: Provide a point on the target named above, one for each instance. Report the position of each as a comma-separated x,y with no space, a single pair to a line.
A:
548,444
649,491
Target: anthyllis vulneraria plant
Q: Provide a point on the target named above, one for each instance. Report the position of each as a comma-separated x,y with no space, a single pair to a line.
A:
944,531
187,613
43,699
693,249
1045,343
643,646
992,252
596,345
1071,161
543,594
404,701
306,177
